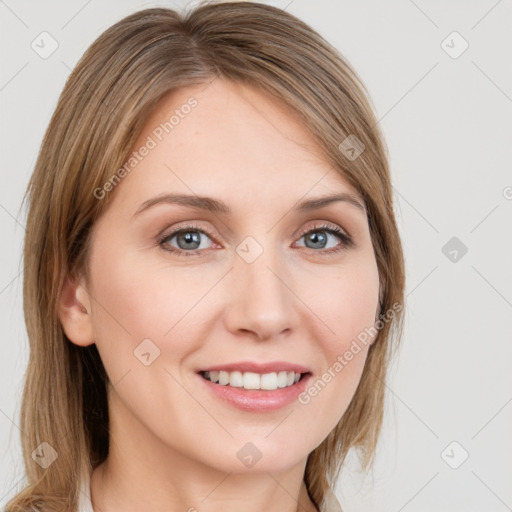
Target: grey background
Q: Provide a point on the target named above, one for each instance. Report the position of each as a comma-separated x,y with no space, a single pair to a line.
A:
447,124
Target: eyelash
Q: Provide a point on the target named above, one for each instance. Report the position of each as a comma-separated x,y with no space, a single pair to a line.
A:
346,240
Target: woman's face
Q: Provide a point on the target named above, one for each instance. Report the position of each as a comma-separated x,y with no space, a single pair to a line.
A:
240,284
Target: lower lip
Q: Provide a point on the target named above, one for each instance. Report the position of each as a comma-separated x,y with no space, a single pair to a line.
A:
256,399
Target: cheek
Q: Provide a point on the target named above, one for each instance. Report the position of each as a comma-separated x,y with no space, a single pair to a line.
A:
140,298
347,305
346,302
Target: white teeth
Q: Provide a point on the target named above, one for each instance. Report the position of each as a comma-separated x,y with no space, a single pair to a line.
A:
251,380
281,379
269,381
236,380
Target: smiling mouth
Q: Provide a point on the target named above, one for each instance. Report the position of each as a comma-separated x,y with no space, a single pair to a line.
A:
254,381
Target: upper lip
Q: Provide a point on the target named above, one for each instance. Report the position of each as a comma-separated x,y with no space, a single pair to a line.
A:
251,366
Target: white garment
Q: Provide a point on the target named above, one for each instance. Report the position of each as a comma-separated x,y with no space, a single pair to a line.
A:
85,505
84,501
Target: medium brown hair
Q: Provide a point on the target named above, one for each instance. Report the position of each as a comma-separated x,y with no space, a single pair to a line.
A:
101,111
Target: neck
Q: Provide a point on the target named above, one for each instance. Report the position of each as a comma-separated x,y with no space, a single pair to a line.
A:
151,475
113,488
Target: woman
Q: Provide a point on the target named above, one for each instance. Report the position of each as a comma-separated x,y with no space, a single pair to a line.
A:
238,372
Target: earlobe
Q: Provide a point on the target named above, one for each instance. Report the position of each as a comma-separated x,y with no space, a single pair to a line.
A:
74,311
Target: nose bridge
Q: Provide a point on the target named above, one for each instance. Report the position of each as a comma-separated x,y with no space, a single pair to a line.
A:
261,300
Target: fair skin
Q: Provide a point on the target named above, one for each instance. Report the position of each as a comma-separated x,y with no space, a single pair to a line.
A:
173,444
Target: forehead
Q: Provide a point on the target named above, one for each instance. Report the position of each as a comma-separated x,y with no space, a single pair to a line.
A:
224,139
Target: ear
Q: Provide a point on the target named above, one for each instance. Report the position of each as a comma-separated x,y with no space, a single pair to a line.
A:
74,311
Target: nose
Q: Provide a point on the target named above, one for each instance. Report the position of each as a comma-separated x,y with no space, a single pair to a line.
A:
260,297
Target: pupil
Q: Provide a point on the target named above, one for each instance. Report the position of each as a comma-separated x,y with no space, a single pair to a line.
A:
191,237
315,238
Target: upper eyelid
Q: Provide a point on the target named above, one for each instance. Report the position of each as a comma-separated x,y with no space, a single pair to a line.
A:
318,226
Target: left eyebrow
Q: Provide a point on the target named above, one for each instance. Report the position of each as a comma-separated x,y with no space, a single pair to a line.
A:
320,202
217,206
